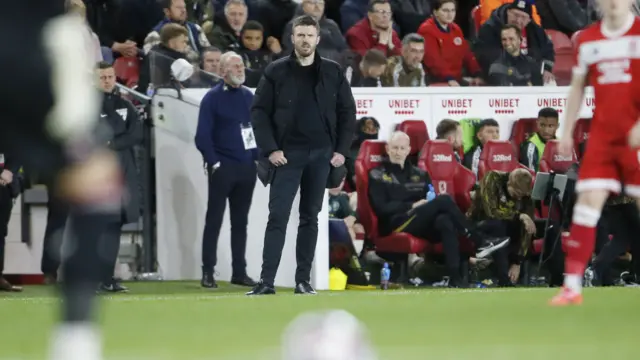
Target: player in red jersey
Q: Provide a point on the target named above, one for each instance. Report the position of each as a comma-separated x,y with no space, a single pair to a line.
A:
608,59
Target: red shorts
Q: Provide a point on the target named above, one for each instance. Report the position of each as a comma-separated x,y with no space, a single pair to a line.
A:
609,166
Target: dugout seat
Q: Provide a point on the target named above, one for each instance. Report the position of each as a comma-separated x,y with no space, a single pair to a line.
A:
417,131
127,70
521,131
497,156
552,162
448,177
371,155
581,132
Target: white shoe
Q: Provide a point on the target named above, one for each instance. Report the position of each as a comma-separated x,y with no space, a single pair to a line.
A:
76,342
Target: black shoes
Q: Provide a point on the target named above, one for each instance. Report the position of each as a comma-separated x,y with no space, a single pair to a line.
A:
262,289
304,288
208,281
243,280
490,245
113,286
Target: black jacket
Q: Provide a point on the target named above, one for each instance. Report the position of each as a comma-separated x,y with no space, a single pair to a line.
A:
121,117
156,68
521,70
273,108
488,45
392,192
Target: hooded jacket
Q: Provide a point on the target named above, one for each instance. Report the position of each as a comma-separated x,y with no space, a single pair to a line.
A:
488,45
362,38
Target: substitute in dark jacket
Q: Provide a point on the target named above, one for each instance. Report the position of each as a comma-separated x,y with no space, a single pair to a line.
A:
303,115
535,42
121,117
397,192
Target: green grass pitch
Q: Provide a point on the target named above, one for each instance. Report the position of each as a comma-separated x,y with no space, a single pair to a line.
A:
179,320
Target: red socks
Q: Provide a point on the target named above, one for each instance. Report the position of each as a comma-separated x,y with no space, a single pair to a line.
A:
580,243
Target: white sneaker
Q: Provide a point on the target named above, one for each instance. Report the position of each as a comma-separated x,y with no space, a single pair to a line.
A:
76,342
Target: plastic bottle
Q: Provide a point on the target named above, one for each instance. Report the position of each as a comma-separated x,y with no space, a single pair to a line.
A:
431,193
385,275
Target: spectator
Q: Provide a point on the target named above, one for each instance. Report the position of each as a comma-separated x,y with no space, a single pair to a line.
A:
211,60
397,195
367,128
103,17
532,149
352,11
155,72
512,67
448,52
209,69
375,31
225,34
567,16
93,43
369,70
409,14
406,70
121,117
274,16
219,5
451,131
175,12
340,208
487,129
535,42
487,7
332,44
503,207
255,55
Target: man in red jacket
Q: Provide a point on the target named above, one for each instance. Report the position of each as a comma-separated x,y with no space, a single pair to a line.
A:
375,31
447,50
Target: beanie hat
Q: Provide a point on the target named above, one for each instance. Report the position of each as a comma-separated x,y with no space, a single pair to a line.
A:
522,5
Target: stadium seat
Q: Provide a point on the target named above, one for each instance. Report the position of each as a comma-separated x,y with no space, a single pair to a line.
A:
127,70
497,156
371,154
563,66
559,40
476,19
522,129
417,131
448,177
581,131
574,37
552,162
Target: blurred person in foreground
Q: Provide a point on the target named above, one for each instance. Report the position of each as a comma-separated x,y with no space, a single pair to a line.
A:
48,121
125,132
9,190
225,139
304,116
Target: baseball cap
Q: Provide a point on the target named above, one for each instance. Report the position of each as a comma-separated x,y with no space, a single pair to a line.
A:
522,5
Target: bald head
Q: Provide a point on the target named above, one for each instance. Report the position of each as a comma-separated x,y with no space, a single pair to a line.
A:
398,148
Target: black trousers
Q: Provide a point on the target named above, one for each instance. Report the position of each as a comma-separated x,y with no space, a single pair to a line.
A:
235,182
440,220
623,222
307,170
57,214
6,205
109,247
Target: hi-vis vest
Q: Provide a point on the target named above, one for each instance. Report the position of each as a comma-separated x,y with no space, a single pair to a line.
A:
539,147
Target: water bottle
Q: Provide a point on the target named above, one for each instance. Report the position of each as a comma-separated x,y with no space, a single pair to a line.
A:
385,275
431,193
588,277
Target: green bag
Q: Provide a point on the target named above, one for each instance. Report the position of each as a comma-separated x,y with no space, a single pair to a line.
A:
469,130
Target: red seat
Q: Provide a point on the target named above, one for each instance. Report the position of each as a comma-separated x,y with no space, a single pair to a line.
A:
476,19
563,67
552,162
370,155
439,84
574,37
127,70
521,131
559,39
417,131
448,177
581,131
497,156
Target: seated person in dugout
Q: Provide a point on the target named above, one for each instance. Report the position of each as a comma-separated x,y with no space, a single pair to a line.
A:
503,207
486,130
397,193
532,149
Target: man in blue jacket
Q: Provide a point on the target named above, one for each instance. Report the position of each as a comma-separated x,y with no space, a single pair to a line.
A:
225,139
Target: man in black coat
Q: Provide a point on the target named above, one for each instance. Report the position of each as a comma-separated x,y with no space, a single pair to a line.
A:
121,118
303,115
535,42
